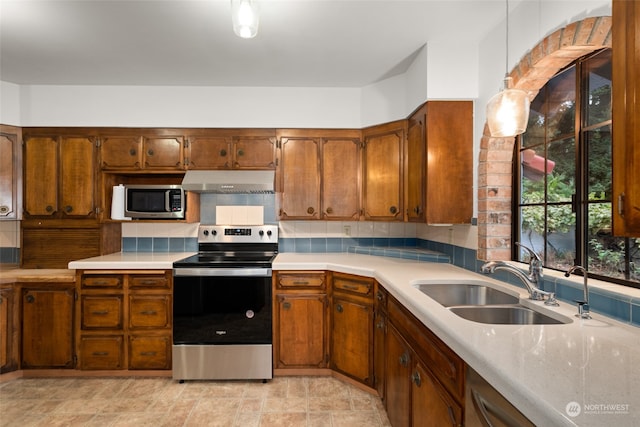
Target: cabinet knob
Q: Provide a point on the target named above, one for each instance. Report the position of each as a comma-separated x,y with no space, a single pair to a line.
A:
339,308
380,324
310,210
223,153
416,378
404,359
286,305
417,209
329,210
379,296
150,152
393,210
30,299
49,208
4,209
68,208
132,152
240,152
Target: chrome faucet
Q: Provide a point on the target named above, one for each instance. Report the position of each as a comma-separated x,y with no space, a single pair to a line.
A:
583,306
532,282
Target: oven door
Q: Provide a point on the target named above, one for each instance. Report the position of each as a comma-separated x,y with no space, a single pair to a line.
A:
222,306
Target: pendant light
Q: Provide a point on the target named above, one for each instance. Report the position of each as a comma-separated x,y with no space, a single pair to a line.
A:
508,111
244,15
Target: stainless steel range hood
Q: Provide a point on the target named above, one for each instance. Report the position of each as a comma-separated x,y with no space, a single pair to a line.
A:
235,181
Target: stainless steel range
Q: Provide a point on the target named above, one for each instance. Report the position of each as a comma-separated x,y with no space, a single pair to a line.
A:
222,305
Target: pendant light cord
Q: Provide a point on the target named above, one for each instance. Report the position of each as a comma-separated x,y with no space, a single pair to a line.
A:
506,65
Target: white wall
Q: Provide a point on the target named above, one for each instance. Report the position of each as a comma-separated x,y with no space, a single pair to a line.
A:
9,104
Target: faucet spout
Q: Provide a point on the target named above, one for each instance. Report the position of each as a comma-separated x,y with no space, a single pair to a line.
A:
583,306
528,281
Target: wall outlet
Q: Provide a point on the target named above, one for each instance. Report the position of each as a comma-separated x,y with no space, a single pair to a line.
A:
347,230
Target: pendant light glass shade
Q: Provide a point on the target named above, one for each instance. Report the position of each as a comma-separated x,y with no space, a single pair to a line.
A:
508,111
244,14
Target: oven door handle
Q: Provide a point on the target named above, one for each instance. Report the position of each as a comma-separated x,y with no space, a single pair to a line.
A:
222,272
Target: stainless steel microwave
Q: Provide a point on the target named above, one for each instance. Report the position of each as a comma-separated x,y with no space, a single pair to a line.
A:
154,201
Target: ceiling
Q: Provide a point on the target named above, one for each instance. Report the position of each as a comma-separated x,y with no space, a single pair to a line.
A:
307,43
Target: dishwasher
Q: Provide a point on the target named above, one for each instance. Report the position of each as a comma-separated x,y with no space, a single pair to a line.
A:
486,407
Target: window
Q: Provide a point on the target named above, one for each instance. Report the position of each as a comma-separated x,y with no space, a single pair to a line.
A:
563,178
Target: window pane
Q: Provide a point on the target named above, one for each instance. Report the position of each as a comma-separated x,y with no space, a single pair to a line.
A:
561,170
605,252
598,102
599,165
561,104
535,134
532,230
561,237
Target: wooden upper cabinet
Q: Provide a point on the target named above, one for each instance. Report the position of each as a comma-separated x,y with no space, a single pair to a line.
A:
231,149
141,153
341,177
383,171
163,152
449,162
10,172
60,177
415,166
626,117
299,177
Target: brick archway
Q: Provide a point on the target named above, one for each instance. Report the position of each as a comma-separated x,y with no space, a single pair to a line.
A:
496,154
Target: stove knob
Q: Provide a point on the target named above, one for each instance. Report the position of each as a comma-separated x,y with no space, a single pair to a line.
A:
269,233
205,232
261,233
215,233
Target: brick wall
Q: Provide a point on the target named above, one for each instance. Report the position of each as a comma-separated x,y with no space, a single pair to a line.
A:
496,154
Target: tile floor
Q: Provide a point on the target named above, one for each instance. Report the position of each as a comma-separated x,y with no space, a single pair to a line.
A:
284,401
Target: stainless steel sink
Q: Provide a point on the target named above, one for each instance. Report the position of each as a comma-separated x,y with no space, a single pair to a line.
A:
504,315
455,294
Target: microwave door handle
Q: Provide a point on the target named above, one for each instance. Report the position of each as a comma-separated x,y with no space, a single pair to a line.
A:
167,201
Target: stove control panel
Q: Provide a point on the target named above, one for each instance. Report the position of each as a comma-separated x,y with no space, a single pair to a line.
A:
238,234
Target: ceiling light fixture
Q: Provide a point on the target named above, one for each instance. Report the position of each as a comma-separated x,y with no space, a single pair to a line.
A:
244,14
508,111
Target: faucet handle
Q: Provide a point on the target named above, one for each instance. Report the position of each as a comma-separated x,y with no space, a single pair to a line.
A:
532,254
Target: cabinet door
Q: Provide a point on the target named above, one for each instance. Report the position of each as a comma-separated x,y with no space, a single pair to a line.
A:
431,405
626,118
101,312
340,179
300,322
352,339
300,178
150,352
398,385
7,355
149,311
47,328
379,351
254,152
78,177
415,166
101,352
121,152
40,176
383,172
10,172
163,152
209,152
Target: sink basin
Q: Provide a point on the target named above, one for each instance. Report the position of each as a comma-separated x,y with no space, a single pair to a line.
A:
454,294
504,315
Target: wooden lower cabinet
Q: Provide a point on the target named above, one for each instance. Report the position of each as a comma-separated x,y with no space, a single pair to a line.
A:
47,325
352,326
125,319
9,331
300,320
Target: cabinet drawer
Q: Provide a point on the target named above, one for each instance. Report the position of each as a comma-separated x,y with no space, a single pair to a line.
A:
362,286
101,352
149,352
302,280
113,281
161,281
102,312
444,363
149,311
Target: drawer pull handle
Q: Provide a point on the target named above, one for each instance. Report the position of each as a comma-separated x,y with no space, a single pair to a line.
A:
100,353
100,313
148,282
100,282
352,287
301,282
149,312
148,353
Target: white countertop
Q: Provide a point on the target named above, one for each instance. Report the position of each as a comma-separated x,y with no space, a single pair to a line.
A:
540,368
130,260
